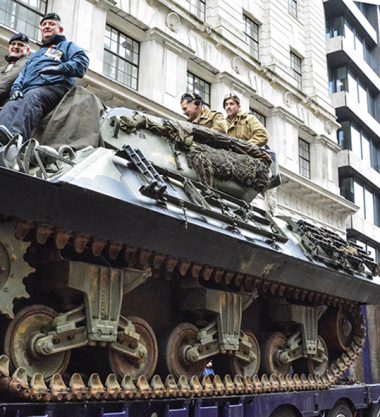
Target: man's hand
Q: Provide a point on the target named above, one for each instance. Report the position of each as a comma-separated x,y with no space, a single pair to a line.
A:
16,94
52,70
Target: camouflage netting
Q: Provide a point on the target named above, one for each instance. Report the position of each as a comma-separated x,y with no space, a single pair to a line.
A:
210,163
74,122
211,154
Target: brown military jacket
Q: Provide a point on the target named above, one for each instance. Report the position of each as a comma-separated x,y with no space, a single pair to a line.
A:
247,127
211,119
8,76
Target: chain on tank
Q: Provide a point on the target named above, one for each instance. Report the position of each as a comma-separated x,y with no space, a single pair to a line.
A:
23,387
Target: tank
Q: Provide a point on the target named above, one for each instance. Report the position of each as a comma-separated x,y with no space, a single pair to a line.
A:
125,269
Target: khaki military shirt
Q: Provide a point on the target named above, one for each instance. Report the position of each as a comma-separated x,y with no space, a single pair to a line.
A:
211,119
247,127
8,75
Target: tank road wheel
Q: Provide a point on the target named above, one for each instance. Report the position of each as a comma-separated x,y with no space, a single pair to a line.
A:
18,344
271,363
310,366
336,327
239,367
181,338
122,365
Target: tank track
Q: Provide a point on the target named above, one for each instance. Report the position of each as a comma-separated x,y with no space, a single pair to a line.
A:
34,389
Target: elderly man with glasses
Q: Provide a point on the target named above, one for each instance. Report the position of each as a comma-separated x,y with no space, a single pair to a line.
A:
197,112
244,126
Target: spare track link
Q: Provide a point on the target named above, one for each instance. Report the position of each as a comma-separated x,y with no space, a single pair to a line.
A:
35,389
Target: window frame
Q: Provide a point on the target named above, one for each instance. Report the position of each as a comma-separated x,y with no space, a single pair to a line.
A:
293,8
17,5
254,44
304,169
197,8
121,58
296,70
191,89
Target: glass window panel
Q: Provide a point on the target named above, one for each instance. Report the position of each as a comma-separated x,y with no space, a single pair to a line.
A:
304,158
295,66
251,32
197,7
349,33
199,86
366,150
292,7
363,96
121,55
23,16
352,87
341,79
355,142
359,46
359,198
369,207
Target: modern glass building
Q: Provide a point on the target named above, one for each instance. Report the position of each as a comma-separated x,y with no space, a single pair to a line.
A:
353,56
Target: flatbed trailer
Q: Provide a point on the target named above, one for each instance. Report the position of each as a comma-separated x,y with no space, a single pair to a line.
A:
358,400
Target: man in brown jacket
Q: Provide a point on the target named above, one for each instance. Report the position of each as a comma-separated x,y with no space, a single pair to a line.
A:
244,126
14,62
198,113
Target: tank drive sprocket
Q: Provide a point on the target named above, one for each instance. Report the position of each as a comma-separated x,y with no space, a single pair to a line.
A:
13,268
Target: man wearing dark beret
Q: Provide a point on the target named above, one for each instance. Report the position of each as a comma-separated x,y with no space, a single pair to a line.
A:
14,62
198,113
48,75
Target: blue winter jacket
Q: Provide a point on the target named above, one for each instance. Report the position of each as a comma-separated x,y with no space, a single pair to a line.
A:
72,61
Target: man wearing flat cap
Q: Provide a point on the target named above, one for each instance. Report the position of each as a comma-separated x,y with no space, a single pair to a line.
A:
48,75
14,62
244,126
198,113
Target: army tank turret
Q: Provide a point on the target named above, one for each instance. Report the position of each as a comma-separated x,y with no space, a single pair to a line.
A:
142,260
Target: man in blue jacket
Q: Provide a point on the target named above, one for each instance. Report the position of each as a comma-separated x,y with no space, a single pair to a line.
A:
48,75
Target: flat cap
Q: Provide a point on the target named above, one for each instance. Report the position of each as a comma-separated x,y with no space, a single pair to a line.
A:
19,37
51,16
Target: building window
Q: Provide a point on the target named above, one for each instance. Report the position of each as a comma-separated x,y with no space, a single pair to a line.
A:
199,86
251,34
197,8
23,15
368,201
292,7
121,57
304,158
363,145
335,27
261,118
296,68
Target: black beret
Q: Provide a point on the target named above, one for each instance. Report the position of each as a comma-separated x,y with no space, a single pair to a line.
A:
19,37
191,97
51,16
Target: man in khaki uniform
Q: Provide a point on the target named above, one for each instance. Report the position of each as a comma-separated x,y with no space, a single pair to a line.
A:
244,126
14,62
196,112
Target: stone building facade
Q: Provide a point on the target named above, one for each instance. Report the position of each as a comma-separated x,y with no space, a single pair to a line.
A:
353,54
